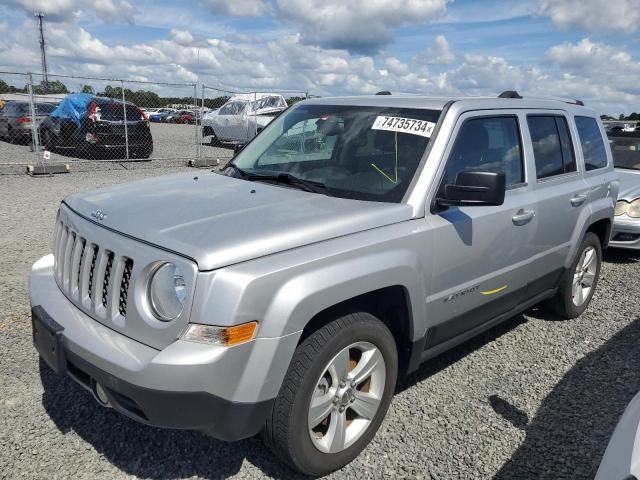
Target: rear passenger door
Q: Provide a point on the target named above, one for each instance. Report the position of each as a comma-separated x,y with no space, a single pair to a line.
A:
591,139
561,194
482,252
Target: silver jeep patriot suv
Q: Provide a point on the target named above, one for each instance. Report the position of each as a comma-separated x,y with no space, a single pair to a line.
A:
350,241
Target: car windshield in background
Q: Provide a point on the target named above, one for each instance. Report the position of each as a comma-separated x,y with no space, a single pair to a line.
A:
44,108
232,108
626,152
267,102
113,111
364,153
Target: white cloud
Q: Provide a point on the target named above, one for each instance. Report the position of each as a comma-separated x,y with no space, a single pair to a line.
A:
64,10
602,75
597,61
238,8
593,14
438,53
357,25
181,37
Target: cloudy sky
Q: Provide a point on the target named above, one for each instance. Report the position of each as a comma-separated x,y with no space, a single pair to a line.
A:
587,49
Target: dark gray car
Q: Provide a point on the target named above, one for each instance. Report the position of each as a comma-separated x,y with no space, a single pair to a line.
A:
16,122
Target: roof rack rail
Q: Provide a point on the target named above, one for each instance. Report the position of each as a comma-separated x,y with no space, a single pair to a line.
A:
509,94
514,94
384,92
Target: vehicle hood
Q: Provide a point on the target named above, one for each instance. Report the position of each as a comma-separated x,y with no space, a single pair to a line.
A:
629,184
218,220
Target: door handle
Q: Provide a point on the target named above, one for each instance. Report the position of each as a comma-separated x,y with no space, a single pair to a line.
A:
578,200
523,217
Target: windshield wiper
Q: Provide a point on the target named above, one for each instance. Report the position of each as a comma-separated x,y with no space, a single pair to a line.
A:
236,169
302,184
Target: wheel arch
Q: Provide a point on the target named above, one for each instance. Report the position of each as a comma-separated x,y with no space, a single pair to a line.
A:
602,228
390,304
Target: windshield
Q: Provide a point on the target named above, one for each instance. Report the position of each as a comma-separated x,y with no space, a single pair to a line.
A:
113,111
626,152
267,102
365,153
232,108
44,108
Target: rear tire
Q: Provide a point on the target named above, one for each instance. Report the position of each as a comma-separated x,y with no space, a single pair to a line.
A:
348,369
215,141
47,140
11,137
579,282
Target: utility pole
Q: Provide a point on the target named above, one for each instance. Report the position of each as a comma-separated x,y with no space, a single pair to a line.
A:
43,52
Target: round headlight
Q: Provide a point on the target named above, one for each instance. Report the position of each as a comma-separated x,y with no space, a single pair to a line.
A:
167,292
634,209
621,207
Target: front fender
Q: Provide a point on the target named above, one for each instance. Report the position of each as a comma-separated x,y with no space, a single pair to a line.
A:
305,295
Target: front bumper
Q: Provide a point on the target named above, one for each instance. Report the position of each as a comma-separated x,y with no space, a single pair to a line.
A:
625,233
226,392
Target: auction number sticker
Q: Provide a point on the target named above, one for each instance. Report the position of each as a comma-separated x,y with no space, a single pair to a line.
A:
404,125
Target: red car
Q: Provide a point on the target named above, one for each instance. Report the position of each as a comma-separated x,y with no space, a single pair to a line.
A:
182,116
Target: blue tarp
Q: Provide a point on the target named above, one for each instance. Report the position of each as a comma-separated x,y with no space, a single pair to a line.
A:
74,106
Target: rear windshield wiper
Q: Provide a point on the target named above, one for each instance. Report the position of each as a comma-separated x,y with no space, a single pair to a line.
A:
287,178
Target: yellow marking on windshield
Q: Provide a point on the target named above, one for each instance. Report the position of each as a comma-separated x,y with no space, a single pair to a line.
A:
497,290
382,172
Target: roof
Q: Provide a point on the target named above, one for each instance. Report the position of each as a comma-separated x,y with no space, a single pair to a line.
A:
247,97
463,103
24,97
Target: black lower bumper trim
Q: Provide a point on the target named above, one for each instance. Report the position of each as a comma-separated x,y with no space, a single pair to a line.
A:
220,418
202,411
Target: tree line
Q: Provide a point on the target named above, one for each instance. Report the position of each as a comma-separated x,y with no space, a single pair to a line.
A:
141,98
633,117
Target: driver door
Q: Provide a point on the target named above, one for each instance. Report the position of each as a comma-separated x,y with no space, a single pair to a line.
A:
479,269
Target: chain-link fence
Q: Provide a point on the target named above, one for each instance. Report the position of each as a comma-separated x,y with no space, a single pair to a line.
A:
70,119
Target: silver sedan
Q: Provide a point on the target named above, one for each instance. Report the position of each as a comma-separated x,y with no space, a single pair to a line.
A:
626,224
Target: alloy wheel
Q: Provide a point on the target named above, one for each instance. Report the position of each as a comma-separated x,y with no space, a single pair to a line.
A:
584,276
346,397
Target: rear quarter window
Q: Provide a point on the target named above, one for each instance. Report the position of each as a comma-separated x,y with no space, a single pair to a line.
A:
592,143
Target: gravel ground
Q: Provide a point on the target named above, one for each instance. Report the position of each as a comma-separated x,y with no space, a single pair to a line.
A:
170,142
533,398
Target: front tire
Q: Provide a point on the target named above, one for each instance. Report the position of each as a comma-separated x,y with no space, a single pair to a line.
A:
579,282
335,394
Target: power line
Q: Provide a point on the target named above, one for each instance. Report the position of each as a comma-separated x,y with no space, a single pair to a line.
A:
43,52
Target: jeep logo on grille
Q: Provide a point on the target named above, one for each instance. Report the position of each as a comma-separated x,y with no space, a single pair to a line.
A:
99,215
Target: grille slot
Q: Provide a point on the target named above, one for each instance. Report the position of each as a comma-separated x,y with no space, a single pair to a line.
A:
83,244
93,269
91,276
107,276
124,286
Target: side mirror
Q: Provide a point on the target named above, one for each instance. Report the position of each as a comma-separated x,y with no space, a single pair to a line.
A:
474,189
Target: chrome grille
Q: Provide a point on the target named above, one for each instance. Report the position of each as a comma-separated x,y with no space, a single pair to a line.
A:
95,278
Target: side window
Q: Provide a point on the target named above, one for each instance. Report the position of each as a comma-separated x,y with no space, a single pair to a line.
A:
568,155
552,149
487,144
593,150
